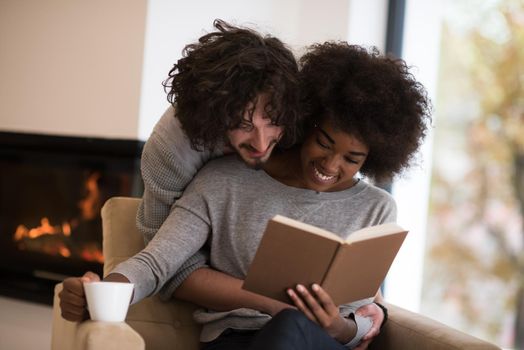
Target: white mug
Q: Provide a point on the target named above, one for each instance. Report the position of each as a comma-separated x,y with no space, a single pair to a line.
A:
108,301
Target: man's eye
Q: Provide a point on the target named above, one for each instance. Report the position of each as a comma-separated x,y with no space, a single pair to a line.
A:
245,126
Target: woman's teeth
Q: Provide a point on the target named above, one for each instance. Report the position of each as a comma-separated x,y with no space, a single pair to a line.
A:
322,176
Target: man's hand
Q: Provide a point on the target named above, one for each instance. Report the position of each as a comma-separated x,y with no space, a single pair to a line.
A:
321,309
73,303
219,291
377,316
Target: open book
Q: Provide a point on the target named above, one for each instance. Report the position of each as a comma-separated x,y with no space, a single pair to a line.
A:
292,252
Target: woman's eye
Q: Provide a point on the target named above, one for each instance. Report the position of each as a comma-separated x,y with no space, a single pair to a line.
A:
323,145
351,161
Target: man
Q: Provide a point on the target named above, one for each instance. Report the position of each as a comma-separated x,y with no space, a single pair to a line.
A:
233,91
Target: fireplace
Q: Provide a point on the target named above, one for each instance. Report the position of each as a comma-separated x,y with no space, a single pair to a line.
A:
51,192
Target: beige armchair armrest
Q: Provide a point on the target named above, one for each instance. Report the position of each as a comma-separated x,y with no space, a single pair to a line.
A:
408,330
91,335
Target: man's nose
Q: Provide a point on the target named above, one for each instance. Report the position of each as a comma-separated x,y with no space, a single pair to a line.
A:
260,140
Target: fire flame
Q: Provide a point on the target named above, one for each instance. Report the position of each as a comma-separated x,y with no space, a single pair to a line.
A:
89,207
45,228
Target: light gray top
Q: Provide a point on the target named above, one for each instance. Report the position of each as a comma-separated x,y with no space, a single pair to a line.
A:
228,206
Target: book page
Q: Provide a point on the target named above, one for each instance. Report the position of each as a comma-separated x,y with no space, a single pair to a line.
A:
374,231
306,227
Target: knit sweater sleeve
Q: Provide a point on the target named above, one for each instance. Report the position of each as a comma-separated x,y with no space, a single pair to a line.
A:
182,235
168,164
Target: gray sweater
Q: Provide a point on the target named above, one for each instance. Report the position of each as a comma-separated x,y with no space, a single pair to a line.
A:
168,164
228,206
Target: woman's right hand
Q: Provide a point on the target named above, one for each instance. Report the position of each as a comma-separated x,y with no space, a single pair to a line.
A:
319,307
73,304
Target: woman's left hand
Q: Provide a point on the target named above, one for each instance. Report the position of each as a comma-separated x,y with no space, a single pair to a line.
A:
320,308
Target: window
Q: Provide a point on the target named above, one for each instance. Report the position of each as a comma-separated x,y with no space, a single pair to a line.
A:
473,265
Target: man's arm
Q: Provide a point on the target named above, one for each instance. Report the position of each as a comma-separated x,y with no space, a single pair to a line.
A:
167,165
164,173
149,269
221,292
181,236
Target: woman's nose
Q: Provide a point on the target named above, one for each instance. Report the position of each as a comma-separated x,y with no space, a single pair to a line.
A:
331,164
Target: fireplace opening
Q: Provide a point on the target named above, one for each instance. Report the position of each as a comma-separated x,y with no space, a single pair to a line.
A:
51,191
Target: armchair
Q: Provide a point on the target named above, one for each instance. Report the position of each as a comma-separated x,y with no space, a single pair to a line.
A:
158,325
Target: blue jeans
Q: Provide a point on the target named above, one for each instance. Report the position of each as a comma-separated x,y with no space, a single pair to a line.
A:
288,330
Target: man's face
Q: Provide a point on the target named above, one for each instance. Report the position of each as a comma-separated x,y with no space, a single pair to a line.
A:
256,137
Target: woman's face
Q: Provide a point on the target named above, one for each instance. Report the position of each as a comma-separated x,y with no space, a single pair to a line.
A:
330,158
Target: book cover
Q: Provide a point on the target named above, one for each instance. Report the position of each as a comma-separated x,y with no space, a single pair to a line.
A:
293,252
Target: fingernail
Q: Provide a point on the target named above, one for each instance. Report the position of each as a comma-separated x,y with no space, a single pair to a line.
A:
301,288
315,287
289,292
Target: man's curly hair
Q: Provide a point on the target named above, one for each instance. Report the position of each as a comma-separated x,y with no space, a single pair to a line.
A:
212,85
372,97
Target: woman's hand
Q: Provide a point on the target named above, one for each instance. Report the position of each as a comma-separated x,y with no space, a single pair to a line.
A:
320,308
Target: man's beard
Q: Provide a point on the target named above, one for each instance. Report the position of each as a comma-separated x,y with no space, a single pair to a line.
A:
255,164
259,164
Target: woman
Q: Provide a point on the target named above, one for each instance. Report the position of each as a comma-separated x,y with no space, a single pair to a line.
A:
366,114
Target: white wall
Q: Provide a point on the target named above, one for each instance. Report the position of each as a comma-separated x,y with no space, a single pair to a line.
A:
367,23
71,67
